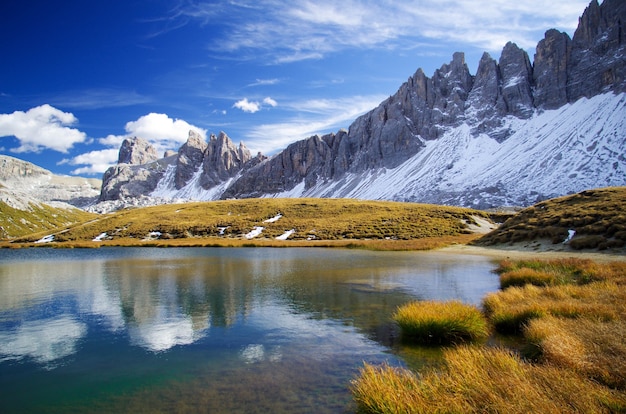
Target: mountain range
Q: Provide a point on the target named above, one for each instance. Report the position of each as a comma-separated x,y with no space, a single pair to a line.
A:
515,133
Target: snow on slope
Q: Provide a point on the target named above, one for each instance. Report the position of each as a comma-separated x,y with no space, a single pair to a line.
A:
570,149
166,189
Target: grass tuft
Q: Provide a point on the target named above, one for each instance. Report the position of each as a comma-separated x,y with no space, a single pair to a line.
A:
595,349
478,380
431,322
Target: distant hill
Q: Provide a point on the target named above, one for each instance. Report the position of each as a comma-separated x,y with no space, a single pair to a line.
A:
300,221
592,219
33,199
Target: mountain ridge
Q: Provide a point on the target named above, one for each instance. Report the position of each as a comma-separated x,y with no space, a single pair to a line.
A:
492,109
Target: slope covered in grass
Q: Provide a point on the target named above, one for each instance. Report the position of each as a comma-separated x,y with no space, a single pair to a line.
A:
18,223
268,219
595,218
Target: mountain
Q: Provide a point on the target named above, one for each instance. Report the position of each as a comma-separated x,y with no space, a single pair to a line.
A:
23,184
514,133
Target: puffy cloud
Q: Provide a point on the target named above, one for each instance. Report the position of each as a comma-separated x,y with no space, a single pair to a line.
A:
247,106
163,132
96,161
42,127
160,129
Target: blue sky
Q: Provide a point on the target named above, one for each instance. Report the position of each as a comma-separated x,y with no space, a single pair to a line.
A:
77,76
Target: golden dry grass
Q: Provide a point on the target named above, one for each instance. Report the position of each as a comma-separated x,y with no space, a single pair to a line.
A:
597,216
431,322
482,380
227,222
595,349
18,223
558,272
575,328
510,310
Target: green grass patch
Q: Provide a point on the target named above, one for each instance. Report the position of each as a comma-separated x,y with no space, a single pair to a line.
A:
430,322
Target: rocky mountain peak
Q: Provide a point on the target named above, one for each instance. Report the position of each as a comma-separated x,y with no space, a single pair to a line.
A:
136,151
517,73
190,156
222,160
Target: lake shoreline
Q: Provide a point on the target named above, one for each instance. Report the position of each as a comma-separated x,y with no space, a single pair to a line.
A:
450,244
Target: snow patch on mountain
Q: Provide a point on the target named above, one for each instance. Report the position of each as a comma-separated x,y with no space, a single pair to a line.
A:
555,152
166,189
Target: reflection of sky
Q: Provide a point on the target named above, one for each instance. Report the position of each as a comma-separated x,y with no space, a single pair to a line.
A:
45,340
314,338
164,332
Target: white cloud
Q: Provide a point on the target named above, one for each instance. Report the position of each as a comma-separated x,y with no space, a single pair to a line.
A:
311,29
247,106
254,106
42,127
163,132
96,161
269,101
160,129
311,117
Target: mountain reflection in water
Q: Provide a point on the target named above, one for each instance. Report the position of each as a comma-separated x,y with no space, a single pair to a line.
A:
146,318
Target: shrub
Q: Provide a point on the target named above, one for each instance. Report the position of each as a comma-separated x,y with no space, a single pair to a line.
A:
432,322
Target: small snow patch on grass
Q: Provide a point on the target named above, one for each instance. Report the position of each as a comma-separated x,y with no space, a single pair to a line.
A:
286,235
46,239
255,232
100,237
274,219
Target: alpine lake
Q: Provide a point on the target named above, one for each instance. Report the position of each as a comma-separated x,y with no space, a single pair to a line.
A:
216,330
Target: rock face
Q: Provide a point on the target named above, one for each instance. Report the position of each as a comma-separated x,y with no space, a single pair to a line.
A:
136,151
23,183
190,156
597,61
197,162
517,75
492,104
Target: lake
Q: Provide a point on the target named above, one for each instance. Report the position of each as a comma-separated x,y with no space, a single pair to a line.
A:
251,330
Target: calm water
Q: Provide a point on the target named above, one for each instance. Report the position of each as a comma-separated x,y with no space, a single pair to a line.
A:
210,330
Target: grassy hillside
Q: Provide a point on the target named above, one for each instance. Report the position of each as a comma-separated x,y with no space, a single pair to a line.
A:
598,218
18,223
310,220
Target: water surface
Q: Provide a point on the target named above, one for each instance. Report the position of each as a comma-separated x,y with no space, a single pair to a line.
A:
210,329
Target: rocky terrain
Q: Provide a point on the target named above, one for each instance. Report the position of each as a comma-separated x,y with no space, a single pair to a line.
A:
23,184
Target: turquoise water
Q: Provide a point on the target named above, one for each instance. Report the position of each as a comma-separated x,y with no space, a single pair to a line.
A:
210,329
